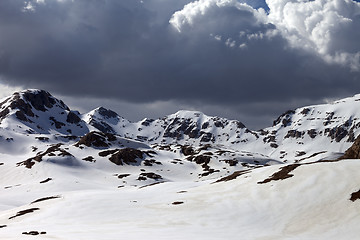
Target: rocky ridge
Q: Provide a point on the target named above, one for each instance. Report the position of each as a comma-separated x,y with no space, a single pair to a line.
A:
307,133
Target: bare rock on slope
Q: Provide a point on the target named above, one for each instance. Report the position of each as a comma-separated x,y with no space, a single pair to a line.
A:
354,151
96,139
49,152
126,156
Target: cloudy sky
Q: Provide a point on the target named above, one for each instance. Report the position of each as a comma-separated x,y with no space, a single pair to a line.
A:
249,60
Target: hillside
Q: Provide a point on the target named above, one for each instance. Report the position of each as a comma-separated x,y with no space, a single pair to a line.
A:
67,175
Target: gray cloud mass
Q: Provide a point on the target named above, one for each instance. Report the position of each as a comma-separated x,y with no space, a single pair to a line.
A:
222,57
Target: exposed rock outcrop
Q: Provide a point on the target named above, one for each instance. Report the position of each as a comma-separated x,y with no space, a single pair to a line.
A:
96,139
126,156
354,151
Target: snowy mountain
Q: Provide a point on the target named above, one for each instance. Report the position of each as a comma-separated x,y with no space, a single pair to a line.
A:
36,111
67,175
311,132
307,133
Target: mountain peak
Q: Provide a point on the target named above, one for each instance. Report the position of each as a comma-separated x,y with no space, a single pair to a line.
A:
104,120
188,114
40,99
107,113
24,104
38,111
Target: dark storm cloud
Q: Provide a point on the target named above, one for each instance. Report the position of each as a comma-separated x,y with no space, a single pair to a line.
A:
224,54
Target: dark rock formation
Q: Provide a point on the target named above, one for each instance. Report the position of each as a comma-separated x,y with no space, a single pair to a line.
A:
4,113
151,162
282,174
206,137
312,133
232,176
147,122
107,113
284,119
102,126
40,99
145,176
126,156
26,101
305,111
202,159
269,139
18,103
337,133
274,145
354,151
328,118
89,159
355,196
58,124
187,150
21,116
45,199
205,125
96,139
33,233
123,175
46,180
294,134
73,118
50,152
23,212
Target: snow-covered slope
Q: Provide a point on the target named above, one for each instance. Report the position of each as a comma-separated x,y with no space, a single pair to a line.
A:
320,201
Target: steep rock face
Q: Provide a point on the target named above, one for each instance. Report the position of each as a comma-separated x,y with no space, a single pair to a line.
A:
354,151
39,112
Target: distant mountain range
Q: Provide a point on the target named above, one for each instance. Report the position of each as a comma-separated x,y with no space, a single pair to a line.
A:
307,133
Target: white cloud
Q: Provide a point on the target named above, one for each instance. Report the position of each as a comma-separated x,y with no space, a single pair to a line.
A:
229,21
189,14
104,49
218,37
29,7
230,43
242,45
327,27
